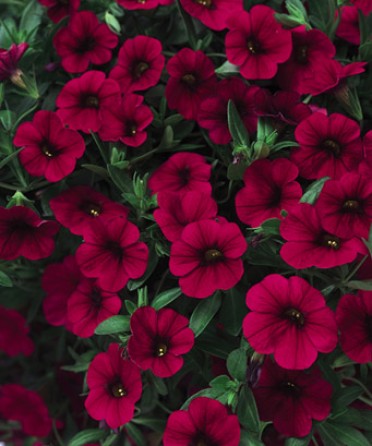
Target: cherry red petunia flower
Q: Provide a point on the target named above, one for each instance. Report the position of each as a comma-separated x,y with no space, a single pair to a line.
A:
290,319
14,331
182,172
140,63
77,206
159,339
292,399
329,146
310,49
49,149
26,406
88,306
112,253
269,187
81,100
192,78
257,43
212,114
84,41
59,281
127,121
345,206
207,257
354,320
23,233
348,28
309,244
206,422
58,9
9,61
212,13
114,387
176,210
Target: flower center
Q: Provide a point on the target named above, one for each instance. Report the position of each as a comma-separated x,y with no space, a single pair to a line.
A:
160,350
253,46
63,2
332,147
115,249
330,241
141,1
94,210
117,390
289,388
206,3
140,68
189,79
91,102
213,256
48,151
351,205
301,54
96,298
85,45
295,316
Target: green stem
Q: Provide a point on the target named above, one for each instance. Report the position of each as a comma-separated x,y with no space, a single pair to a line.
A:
100,147
355,270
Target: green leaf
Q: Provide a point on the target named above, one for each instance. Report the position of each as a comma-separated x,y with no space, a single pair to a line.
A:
271,226
236,169
237,364
237,128
204,313
313,191
87,436
365,285
151,265
227,68
5,280
233,310
344,397
298,441
112,22
220,383
31,16
247,410
208,393
120,178
155,424
135,434
334,434
130,306
165,298
114,324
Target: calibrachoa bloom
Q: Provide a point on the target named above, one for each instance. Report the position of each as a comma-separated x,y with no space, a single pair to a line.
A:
206,422
182,172
192,78
14,331
59,281
77,206
212,13
269,187
9,61
158,340
207,257
176,210
309,244
126,121
114,387
212,114
49,149
89,305
139,64
290,319
26,406
57,9
329,146
292,399
83,41
24,233
112,253
354,320
81,100
256,42
345,206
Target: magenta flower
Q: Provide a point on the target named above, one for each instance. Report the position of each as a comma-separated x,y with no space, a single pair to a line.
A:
256,42
14,331
292,399
354,320
84,41
58,9
159,339
309,244
207,257
49,149
140,63
269,187
81,100
112,253
192,78
23,233
290,319
329,146
77,206
114,387
9,63
206,422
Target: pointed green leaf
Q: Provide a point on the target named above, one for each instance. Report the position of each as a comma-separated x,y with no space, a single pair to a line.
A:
114,324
